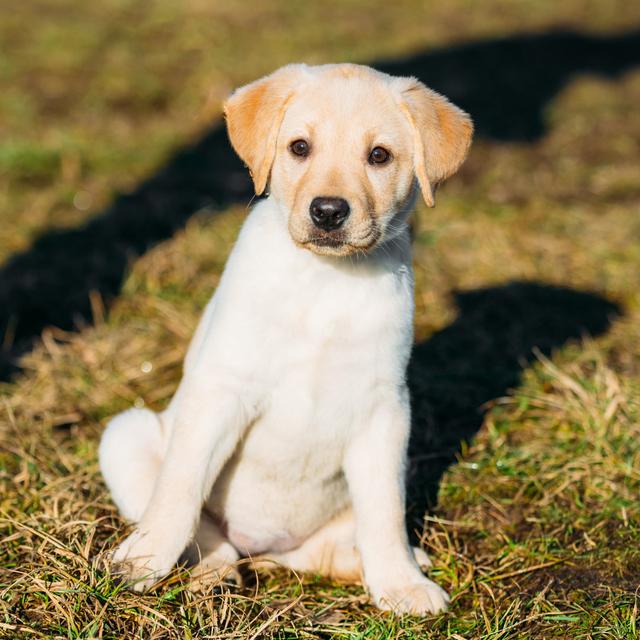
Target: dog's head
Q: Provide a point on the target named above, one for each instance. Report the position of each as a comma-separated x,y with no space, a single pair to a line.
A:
340,147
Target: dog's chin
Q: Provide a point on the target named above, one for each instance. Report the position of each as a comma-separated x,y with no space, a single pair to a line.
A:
327,246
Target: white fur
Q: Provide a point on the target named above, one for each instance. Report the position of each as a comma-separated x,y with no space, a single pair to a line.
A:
290,424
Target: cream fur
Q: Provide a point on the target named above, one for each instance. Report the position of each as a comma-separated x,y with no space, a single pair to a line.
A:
287,436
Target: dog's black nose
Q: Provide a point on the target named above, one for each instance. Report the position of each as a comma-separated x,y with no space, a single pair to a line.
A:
328,214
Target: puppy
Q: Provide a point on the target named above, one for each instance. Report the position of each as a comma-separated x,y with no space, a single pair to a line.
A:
286,439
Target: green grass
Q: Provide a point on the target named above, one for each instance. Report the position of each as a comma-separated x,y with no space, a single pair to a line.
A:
525,471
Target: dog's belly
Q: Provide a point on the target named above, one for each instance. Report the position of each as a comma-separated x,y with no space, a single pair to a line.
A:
284,481
256,542
259,514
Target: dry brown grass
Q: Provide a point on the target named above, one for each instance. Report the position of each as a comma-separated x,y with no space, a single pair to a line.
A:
526,388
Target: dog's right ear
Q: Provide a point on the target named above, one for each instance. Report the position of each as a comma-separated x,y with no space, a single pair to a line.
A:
254,114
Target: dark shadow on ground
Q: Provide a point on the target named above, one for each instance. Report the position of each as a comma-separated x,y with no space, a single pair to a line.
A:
504,83
478,358
50,284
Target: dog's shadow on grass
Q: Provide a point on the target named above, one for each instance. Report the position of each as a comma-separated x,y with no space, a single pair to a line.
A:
478,358
504,83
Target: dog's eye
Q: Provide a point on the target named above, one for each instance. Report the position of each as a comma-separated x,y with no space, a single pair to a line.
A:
299,148
379,155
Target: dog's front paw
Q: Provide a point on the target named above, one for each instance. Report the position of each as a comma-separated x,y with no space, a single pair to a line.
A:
140,562
418,599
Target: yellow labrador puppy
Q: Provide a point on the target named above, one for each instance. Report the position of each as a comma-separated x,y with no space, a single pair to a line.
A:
287,436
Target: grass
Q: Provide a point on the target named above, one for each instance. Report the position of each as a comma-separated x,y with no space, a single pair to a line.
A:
118,211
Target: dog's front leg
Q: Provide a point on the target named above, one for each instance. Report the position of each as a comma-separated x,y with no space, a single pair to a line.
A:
375,468
209,422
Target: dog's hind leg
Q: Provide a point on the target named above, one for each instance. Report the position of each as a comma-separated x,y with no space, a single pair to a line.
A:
331,551
130,454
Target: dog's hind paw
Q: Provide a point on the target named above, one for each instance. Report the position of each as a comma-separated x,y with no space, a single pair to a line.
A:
417,599
423,560
204,580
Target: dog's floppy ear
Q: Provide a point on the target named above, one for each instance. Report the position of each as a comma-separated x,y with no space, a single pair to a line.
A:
442,134
254,113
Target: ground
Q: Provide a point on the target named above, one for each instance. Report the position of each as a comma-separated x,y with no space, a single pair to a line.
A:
120,199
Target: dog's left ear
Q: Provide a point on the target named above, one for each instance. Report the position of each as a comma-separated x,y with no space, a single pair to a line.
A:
442,134
254,114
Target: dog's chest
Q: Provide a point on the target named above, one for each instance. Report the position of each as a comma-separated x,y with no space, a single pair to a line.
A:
330,343
320,316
